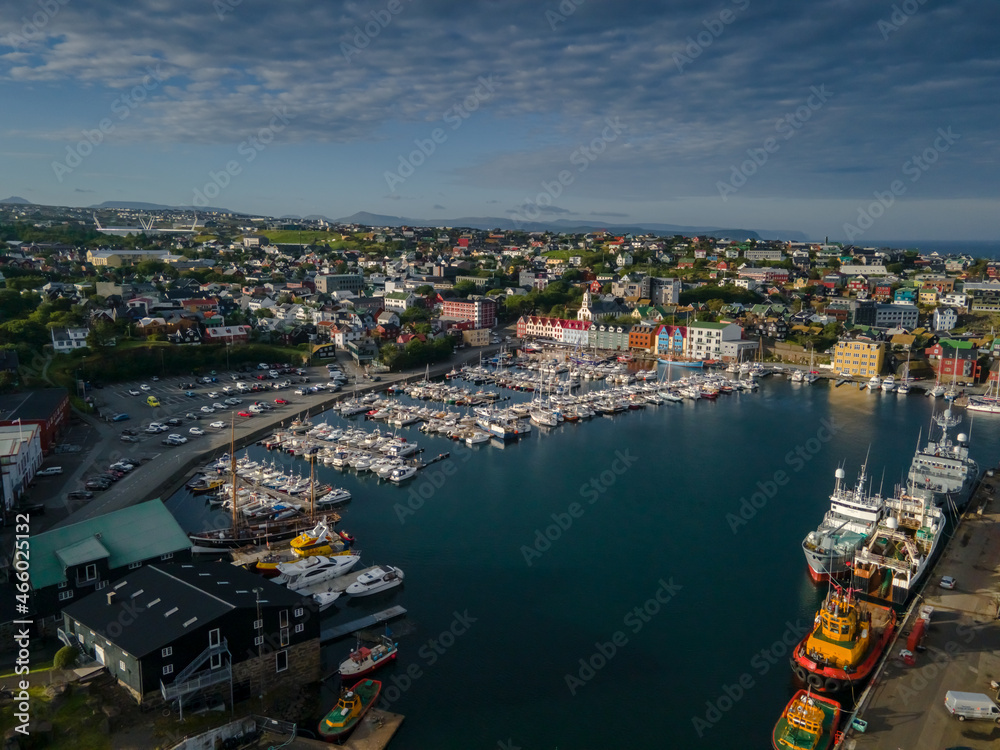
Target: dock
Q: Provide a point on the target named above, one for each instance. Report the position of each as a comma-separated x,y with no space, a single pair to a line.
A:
333,632
903,706
374,732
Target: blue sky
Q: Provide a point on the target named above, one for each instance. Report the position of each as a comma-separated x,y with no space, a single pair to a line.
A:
831,117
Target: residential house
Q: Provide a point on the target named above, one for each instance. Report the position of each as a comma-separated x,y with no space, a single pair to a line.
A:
705,339
671,341
956,360
46,407
945,318
642,338
399,301
608,337
67,339
226,334
20,458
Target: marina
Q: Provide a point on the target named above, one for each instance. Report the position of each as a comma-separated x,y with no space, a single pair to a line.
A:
480,531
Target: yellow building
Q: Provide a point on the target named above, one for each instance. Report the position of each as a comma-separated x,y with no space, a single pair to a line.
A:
927,296
476,337
860,357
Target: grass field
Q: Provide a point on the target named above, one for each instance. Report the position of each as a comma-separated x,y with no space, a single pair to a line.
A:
293,236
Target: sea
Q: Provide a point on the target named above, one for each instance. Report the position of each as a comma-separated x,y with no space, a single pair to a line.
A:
633,581
975,248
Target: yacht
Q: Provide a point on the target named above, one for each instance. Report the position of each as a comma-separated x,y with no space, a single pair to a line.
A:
402,473
889,384
312,570
874,383
852,516
376,580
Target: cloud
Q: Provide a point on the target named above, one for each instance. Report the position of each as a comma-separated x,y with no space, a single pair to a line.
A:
393,197
81,190
438,207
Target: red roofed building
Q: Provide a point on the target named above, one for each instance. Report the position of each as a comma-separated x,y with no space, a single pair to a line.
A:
203,305
556,329
226,335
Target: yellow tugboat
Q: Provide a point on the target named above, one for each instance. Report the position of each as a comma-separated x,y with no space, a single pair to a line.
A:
318,541
809,722
847,638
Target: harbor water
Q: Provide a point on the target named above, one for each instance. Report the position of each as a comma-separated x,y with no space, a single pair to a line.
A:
631,581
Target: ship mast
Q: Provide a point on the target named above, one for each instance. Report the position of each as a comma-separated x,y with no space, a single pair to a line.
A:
232,467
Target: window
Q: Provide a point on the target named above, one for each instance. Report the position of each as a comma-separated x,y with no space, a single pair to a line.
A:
258,624
215,662
121,666
300,628
281,661
259,640
133,566
63,584
167,556
213,637
168,669
283,618
284,636
299,611
168,651
100,585
88,574
64,595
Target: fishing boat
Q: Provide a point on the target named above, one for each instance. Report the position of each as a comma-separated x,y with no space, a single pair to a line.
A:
852,517
809,722
898,553
375,581
351,707
363,660
942,467
847,639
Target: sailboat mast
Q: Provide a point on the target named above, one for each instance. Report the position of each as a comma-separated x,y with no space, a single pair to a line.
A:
232,466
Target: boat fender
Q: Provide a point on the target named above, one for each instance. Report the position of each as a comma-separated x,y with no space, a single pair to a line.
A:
864,633
815,680
800,672
831,685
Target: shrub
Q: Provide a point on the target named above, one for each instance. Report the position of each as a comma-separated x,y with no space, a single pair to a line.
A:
65,658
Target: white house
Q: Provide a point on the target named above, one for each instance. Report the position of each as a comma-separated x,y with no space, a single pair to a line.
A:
399,301
704,340
945,318
68,339
624,259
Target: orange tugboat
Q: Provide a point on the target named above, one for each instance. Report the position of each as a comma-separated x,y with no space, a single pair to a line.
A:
809,722
845,644
319,541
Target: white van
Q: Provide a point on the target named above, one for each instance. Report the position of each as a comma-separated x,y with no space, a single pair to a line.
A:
242,387
971,706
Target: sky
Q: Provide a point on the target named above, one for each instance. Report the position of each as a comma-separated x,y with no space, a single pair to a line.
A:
856,120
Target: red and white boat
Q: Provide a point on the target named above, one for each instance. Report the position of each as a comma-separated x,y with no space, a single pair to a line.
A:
363,660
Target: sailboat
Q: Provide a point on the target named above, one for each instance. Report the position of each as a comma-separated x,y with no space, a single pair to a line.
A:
989,402
245,531
904,385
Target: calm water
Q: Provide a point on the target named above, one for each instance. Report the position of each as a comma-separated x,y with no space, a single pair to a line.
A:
666,513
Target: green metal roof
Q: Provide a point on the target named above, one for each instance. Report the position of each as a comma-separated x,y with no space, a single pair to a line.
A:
140,532
953,344
84,551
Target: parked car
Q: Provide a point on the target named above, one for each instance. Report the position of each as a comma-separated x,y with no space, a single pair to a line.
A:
80,495
173,422
947,582
218,425
196,431
213,394
208,410
244,414
129,439
134,392
234,401
120,417
219,407
144,387
280,401
49,472
96,485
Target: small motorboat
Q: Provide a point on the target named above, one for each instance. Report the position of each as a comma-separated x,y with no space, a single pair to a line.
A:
325,599
375,581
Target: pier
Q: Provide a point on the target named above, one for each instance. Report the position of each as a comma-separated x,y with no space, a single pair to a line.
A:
903,705
330,633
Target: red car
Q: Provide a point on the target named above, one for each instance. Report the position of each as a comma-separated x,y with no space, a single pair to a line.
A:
244,414
280,401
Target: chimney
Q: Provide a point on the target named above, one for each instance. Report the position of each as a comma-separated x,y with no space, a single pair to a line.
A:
111,597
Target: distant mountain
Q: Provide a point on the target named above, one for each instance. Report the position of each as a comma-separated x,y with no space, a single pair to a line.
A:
18,200
141,206
569,226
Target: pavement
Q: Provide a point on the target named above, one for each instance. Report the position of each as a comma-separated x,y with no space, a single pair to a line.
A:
904,706
164,469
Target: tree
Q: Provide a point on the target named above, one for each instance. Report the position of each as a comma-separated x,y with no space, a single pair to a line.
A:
465,288
263,312
414,314
424,290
